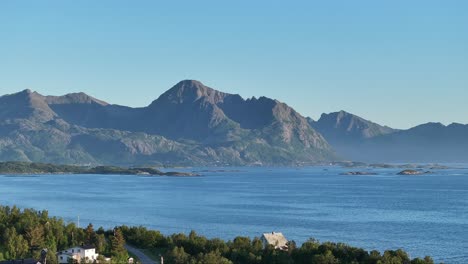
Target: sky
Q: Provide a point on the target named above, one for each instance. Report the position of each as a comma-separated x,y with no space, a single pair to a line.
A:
399,63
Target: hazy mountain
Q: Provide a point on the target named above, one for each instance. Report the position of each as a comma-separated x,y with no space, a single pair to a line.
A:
192,124
189,124
431,142
347,132
355,138
345,126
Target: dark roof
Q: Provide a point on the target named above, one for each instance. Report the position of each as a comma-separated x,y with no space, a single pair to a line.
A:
88,247
20,261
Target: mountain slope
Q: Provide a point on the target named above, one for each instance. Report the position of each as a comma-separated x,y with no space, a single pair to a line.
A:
347,132
345,126
25,105
431,142
355,138
190,124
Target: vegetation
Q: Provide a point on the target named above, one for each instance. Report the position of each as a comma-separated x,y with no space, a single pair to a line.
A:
17,167
23,233
37,168
180,248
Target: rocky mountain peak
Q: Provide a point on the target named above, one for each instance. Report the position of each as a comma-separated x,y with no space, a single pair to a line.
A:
26,91
339,125
340,117
74,98
25,104
187,91
201,124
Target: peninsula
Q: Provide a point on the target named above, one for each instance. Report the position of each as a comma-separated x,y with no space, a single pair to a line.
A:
15,167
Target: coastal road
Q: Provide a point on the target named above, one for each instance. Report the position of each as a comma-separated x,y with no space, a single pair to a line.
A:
143,258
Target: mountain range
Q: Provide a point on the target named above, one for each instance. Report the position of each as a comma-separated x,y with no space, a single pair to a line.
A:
358,139
192,124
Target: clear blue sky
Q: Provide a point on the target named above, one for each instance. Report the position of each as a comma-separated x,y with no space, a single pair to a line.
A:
400,63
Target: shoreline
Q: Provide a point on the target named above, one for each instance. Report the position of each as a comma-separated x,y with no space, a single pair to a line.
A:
30,168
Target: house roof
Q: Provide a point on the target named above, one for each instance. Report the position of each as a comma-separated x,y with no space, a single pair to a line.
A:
88,247
276,239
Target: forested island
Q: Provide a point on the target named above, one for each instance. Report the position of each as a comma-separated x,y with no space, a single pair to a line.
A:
15,167
25,232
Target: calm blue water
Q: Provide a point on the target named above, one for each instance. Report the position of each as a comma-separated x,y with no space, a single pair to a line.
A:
425,215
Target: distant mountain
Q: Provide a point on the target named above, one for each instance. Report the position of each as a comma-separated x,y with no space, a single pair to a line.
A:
358,139
347,132
342,126
431,142
190,124
25,105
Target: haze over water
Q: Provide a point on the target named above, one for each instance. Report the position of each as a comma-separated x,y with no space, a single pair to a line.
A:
425,214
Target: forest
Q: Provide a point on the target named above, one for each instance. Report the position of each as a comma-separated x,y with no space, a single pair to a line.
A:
19,167
196,249
23,233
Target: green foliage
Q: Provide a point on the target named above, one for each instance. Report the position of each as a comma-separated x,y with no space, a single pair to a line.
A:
16,167
178,256
180,248
212,257
118,245
36,168
426,260
23,233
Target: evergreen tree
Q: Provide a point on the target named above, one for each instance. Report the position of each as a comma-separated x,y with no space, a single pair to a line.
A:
178,256
90,235
118,251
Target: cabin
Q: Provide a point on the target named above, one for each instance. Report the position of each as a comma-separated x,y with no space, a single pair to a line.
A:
275,239
86,253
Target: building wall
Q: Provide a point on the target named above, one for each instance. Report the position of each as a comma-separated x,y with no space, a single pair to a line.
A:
63,258
78,253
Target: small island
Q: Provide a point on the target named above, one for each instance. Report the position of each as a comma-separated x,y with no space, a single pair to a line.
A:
358,173
15,167
413,172
407,166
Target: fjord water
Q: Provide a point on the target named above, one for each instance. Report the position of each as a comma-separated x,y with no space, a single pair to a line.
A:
424,214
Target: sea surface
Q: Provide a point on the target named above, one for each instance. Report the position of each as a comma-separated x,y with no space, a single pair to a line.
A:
423,214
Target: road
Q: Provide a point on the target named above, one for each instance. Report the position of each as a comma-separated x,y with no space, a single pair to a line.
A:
143,258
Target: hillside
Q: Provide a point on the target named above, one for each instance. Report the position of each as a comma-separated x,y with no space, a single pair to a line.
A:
190,124
358,139
431,142
347,133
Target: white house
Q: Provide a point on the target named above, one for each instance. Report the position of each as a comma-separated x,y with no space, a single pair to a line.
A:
88,253
275,239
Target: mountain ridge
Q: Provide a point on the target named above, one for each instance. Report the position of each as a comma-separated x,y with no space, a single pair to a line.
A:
193,124
358,139
190,123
